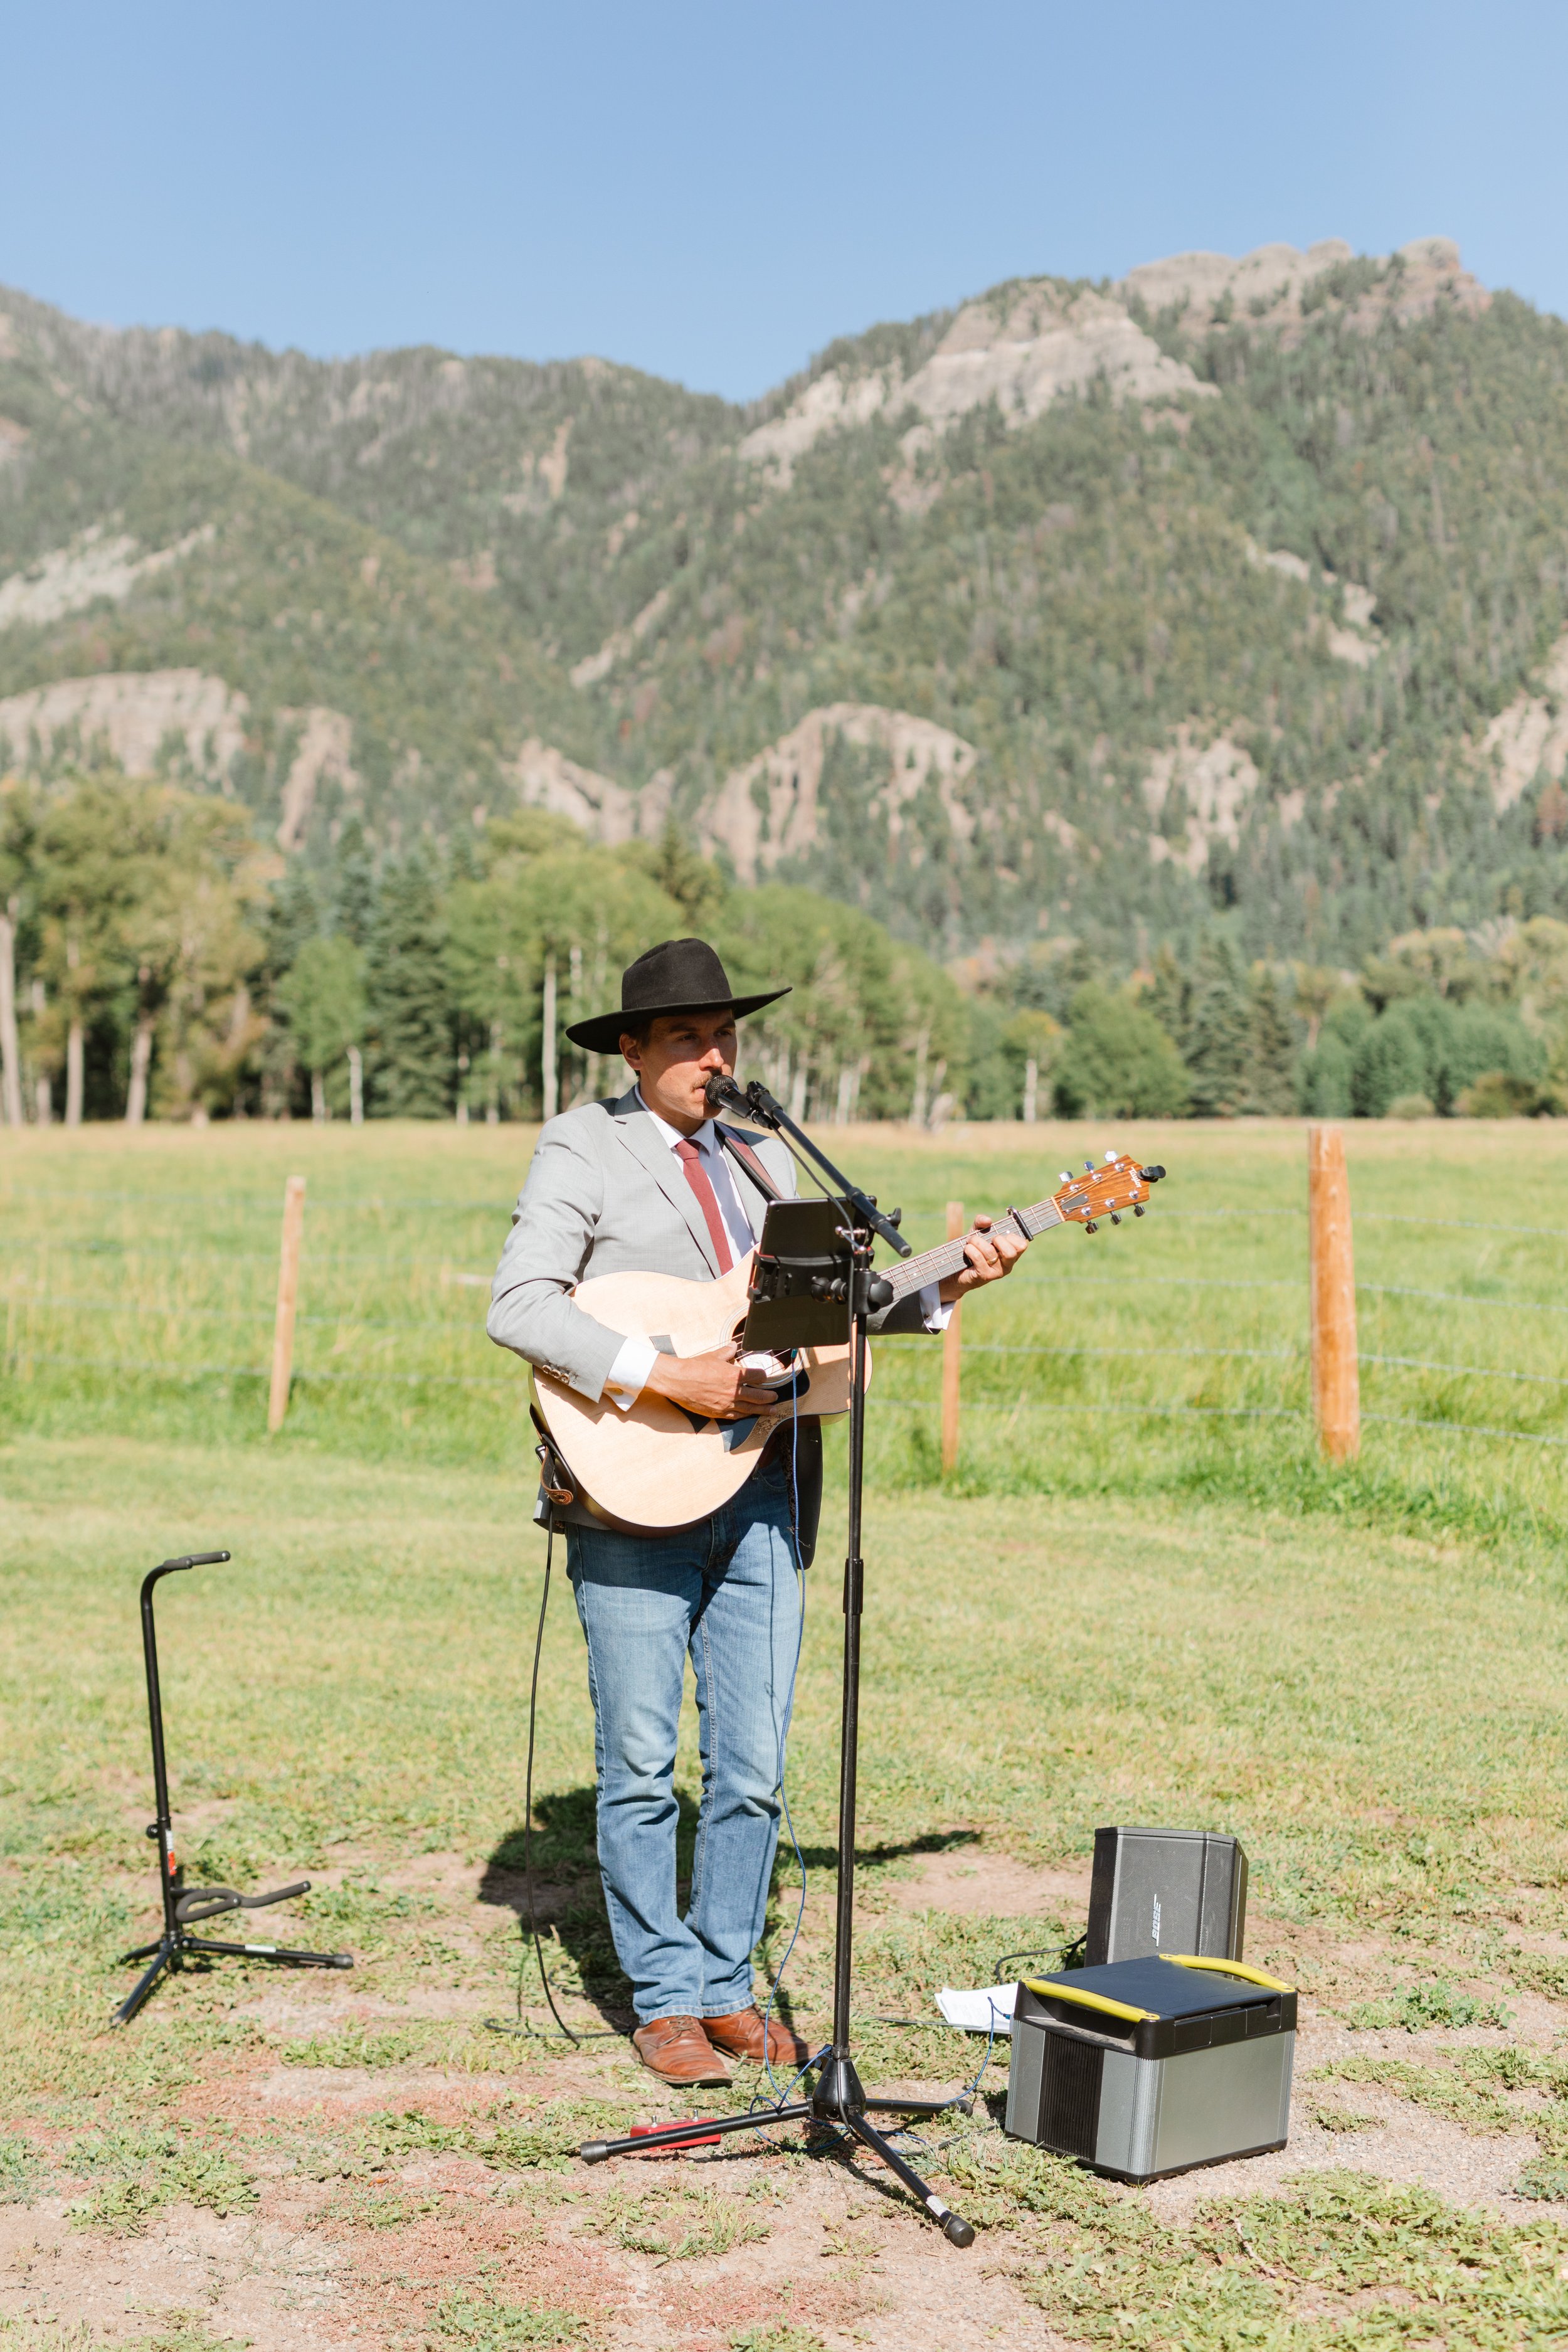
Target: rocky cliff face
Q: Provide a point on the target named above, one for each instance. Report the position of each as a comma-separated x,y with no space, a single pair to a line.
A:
1278,287
1021,348
1023,345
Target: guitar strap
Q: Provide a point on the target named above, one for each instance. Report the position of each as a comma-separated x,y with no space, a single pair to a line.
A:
805,1484
554,1477
744,1157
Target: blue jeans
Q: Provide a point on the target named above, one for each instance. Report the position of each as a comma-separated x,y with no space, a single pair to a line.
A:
724,1594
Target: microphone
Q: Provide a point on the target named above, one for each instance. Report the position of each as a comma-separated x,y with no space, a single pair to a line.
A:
723,1094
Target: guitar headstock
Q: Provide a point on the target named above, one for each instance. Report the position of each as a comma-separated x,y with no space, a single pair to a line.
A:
1106,1189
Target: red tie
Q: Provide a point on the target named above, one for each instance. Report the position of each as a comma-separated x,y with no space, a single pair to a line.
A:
697,1178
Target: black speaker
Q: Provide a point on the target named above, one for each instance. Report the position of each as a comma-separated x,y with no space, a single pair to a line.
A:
1165,1891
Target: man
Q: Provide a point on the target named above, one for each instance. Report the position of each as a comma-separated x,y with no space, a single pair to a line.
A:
644,1184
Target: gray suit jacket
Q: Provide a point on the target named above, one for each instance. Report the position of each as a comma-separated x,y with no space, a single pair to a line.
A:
606,1194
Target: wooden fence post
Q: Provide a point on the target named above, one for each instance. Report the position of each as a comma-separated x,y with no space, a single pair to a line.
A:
1336,1377
951,1357
288,1296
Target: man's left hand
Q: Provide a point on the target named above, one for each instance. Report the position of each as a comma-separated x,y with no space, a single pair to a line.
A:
990,1254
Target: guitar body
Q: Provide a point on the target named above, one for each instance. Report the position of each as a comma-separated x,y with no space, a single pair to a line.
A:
656,1467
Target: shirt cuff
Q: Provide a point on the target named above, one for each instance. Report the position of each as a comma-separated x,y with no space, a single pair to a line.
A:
627,1376
937,1315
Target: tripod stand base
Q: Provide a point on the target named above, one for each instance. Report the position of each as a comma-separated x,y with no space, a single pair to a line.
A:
838,2099
170,1951
954,2228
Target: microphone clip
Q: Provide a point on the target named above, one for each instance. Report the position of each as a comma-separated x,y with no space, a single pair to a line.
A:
721,1093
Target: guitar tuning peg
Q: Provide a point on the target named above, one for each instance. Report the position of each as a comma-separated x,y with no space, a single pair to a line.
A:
1115,1217
1066,1177
1137,1209
1110,1158
1089,1165
1090,1227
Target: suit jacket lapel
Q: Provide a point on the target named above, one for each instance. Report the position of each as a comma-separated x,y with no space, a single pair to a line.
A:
644,1141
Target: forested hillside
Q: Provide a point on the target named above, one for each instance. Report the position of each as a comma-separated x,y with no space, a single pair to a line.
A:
1220,612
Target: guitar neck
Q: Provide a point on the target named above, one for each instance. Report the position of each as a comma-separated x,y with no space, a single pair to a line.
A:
935,1265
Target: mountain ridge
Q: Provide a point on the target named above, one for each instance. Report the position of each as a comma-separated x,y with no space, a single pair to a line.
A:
1238,583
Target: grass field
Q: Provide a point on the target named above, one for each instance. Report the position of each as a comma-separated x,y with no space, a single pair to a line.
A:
139,1279
1106,1614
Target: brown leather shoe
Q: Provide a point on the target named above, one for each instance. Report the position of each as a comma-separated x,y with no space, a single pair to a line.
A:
741,2034
679,2051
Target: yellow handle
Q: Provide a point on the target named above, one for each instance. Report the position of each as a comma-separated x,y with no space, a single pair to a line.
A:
1227,1968
1099,2001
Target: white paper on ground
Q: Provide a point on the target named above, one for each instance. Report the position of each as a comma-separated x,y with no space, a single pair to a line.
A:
976,2012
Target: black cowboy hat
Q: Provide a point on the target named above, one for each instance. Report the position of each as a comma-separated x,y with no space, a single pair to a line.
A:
676,976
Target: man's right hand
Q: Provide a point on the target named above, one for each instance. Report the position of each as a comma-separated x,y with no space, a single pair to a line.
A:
716,1384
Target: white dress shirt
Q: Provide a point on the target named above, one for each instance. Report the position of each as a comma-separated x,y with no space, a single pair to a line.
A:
637,1355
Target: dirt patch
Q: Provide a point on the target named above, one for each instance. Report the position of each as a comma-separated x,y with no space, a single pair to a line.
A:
1404,2143
374,2256
459,1883
320,2265
976,1884
267,2276
353,2088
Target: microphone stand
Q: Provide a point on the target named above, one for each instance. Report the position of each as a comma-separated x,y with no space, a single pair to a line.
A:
755,1099
839,2098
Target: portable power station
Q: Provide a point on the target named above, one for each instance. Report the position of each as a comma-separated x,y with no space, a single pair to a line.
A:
1154,2065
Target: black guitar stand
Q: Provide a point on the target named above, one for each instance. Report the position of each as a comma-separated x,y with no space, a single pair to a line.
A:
184,1904
799,1291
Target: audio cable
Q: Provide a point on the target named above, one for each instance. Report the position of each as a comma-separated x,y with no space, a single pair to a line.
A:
523,2026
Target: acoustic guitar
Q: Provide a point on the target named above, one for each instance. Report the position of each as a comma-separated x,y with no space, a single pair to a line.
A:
656,1465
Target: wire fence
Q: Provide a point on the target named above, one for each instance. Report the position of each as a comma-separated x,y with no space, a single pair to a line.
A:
1207,1321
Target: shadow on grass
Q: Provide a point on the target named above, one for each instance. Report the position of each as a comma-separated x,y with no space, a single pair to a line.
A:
873,1857
569,1898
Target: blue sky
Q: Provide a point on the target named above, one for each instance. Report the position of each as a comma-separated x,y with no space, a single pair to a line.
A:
712,192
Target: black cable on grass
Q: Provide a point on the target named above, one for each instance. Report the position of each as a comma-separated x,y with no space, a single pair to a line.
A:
497,2024
1069,1956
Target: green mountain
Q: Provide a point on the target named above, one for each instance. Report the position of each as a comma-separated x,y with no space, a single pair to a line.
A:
1235,590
